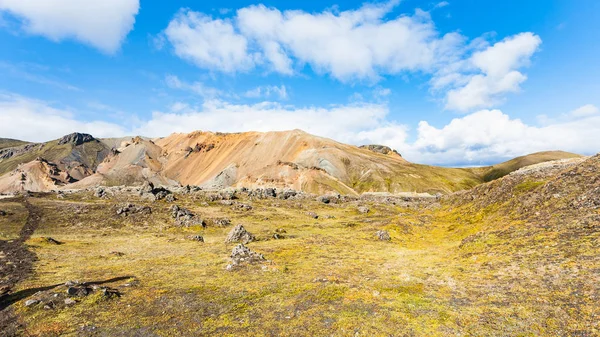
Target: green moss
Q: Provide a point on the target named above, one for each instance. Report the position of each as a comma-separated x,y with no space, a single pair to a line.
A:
527,186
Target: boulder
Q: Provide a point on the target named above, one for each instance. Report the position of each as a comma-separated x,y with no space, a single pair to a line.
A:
129,209
383,235
312,215
243,255
363,209
3,213
100,192
222,222
198,238
29,303
183,217
239,234
241,207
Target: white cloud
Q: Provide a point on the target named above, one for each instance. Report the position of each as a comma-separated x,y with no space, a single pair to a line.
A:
364,44
101,24
208,43
343,122
441,4
497,73
198,88
32,120
585,111
356,44
268,91
483,137
489,136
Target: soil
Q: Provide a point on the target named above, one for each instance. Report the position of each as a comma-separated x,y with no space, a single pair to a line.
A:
15,266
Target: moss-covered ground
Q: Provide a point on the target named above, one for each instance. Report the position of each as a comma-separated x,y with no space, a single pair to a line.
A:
456,269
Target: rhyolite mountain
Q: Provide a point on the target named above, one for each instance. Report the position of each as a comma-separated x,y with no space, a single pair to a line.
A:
286,159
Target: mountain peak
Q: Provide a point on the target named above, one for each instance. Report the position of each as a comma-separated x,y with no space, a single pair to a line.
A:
76,138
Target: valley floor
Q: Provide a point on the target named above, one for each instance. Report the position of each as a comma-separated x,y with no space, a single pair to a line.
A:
438,276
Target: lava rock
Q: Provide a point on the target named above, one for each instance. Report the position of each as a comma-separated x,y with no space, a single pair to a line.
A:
312,215
243,255
29,303
100,192
239,234
75,139
198,238
383,235
363,209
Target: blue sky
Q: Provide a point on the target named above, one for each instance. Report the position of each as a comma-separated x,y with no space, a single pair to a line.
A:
450,83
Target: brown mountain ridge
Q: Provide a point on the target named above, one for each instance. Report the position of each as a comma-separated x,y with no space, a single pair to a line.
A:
212,160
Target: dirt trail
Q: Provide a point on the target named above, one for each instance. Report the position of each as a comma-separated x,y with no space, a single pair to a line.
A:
16,264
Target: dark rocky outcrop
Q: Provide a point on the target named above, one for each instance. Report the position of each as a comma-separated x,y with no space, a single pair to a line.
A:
75,139
380,149
184,217
129,209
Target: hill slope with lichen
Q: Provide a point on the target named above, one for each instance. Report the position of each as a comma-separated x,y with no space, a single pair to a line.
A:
287,159
519,256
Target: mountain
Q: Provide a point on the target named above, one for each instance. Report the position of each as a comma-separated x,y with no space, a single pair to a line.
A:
7,142
287,159
44,166
301,161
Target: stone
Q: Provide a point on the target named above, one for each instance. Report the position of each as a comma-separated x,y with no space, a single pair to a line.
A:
287,194
109,292
241,207
198,238
147,187
324,199
383,235
312,215
52,241
70,301
100,192
3,213
80,291
183,217
29,303
363,209
222,222
170,198
239,234
129,209
243,255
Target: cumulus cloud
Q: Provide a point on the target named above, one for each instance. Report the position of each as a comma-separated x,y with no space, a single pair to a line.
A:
268,91
208,43
363,44
497,73
483,137
33,120
490,136
355,44
101,24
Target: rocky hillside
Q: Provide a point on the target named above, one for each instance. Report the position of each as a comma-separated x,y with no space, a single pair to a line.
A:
502,169
44,166
288,159
301,161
